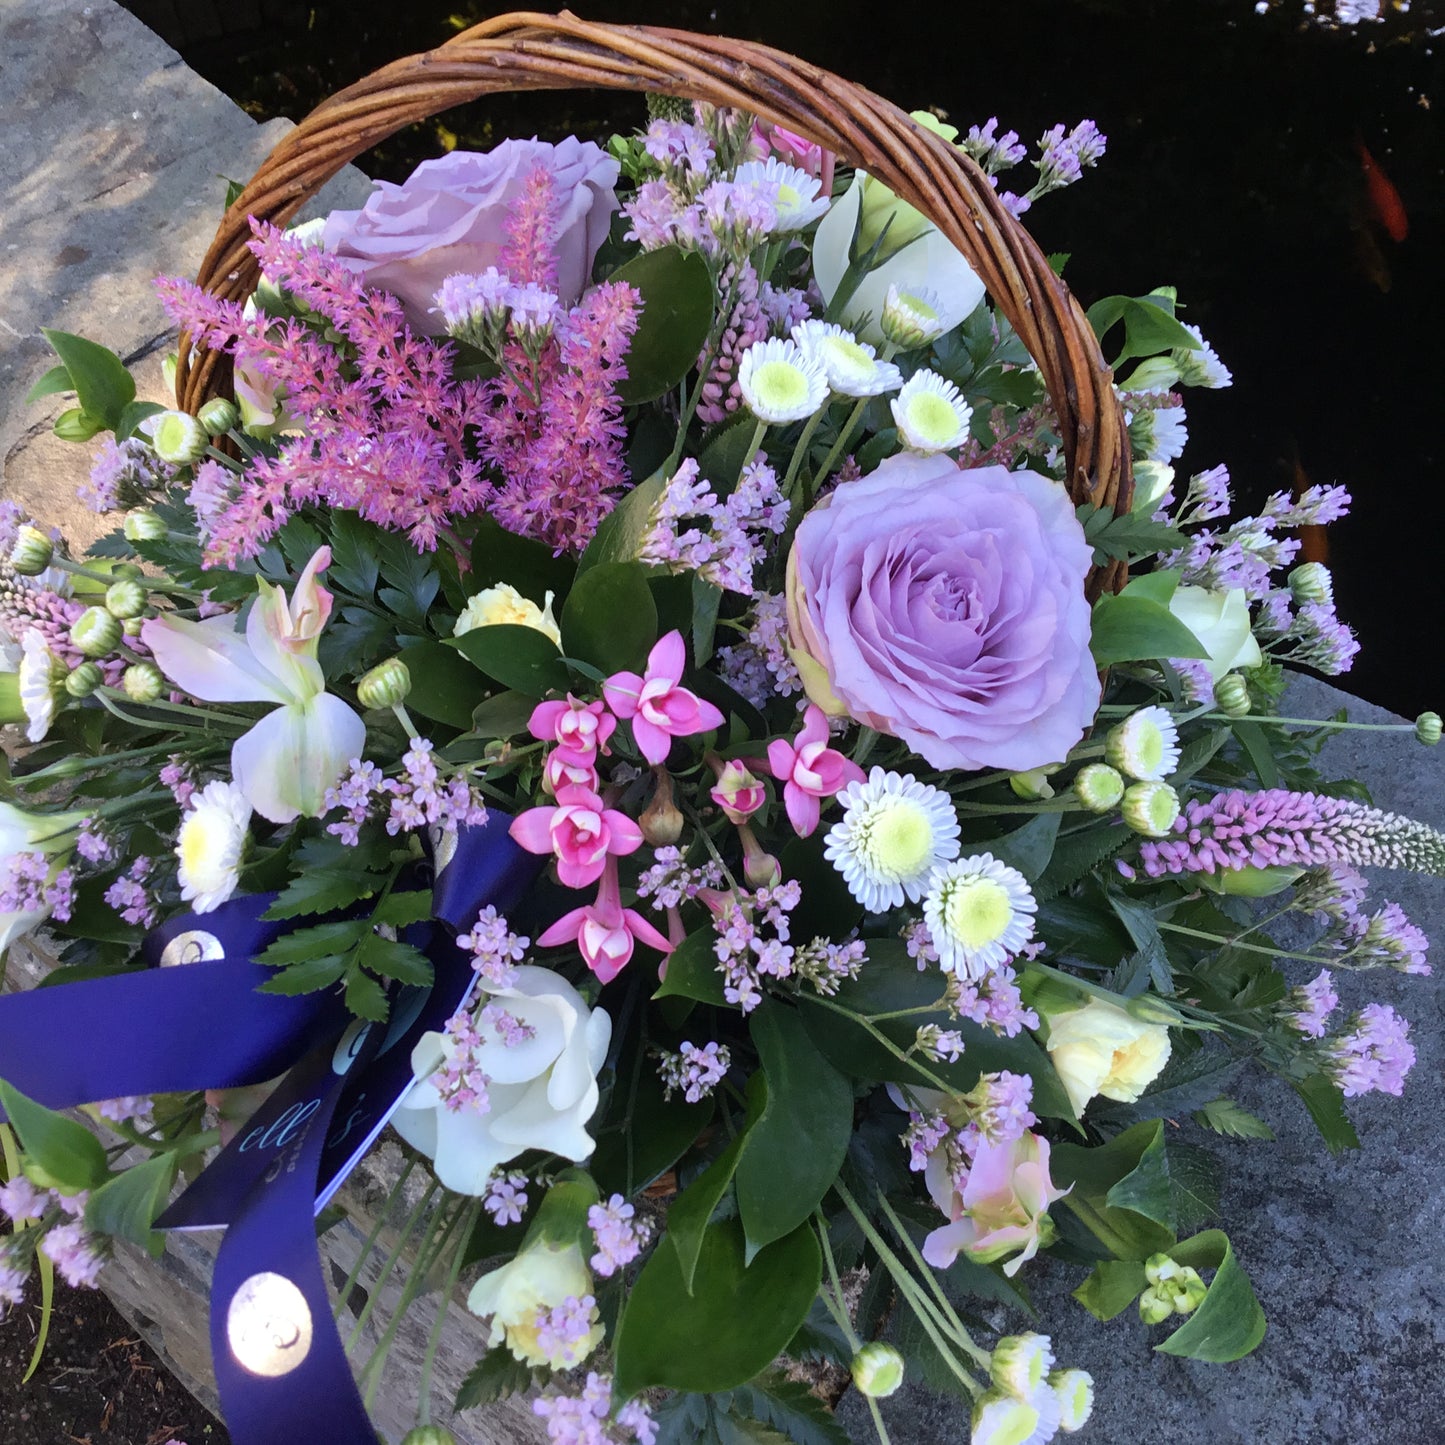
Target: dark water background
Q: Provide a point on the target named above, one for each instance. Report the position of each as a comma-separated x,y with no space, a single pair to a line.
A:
1232,172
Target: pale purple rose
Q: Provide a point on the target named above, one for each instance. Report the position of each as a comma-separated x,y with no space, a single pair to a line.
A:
450,215
945,606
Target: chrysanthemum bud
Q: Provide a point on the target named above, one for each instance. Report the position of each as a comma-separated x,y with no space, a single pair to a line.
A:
83,680
1311,582
218,416
910,318
1145,745
1020,1363
76,425
1034,784
177,437
1099,787
388,684
1427,728
32,552
143,682
877,1370
1074,1390
429,1435
95,632
144,526
661,822
1231,695
1151,808
125,599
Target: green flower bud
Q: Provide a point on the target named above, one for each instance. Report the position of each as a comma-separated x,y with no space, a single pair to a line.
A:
32,552
1159,373
386,685
1177,1285
909,318
168,371
1427,728
1231,695
125,599
1250,882
1034,784
218,416
144,527
76,425
177,437
1151,808
95,632
1099,787
1311,582
429,1435
1154,1308
143,682
877,1370
1151,481
84,680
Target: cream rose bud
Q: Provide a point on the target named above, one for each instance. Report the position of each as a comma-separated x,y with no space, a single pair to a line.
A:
1101,1049
1220,620
520,1295
503,605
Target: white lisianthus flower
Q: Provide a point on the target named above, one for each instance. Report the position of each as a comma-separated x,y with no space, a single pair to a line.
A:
930,413
521,1295
1102,1049
42,677
851,366
503,604
980,913
539,1056
1220,620
795,192
894,832
211,844
779,383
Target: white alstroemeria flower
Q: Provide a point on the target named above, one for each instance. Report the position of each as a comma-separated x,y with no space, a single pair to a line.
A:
795,192
211,844
540,1068
926,260
284,764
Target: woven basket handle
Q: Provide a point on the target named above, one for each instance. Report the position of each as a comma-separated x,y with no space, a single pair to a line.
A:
557,52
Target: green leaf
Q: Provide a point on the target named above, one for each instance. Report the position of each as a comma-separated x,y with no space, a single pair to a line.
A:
502,716
1128,536
132,415
1149,326
610,619
521,658
306,977
1133,629
692,970
620,533
530,566
68,1154
1076,855
1113,1286
673,323
102,384
56,380
706,599
365,997
827,908
304,944
1255,742
127,1204
1229,1322
402,909
1029,848
733,1324
393,959
923,1358
820,1338
657,1133
323,890
1138,920
498,1375
354,566
1224,1116
1176,1185
1093,1172
790,1407
797,1146
445,687
724,450
1326,1102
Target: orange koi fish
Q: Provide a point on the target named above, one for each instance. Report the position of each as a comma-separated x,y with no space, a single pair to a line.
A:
1385,206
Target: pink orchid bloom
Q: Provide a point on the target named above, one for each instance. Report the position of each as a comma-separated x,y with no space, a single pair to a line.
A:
738,793
809,770
580,832
581,727
1002,1207
284,764
605,931
658,707
565,768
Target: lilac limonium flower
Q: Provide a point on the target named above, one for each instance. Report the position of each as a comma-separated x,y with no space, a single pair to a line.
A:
285,764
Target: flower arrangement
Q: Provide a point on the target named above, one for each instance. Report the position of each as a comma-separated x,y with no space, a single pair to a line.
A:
622,683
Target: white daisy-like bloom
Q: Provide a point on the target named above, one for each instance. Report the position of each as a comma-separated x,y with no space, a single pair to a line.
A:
210,845
779,383
797,200
980,913
1201,367
851,366
894,832
1145,745
1020,1363
1162,433
42,675
1000,1419
914,315
931,414
1074,1390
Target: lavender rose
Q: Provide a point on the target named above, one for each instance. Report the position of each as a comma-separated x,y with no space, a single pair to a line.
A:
450,215
946,607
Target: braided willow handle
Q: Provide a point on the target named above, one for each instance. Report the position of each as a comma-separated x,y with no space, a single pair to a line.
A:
557,52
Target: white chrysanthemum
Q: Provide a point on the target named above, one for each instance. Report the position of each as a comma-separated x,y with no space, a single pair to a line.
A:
999,1419
779,383
894,832
851,366
42,675
211,844
1021,1363
1145,745
797,201
1160,434
980,913
1074,1390
1201,367
913,316
931,414
1151,808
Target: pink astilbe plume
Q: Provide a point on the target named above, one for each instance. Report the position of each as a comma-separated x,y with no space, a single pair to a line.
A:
385,423
529,255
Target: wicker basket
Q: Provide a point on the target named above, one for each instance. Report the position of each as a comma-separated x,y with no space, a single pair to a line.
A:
555,52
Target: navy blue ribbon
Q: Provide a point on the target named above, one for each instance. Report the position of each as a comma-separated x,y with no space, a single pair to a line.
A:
280,1366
